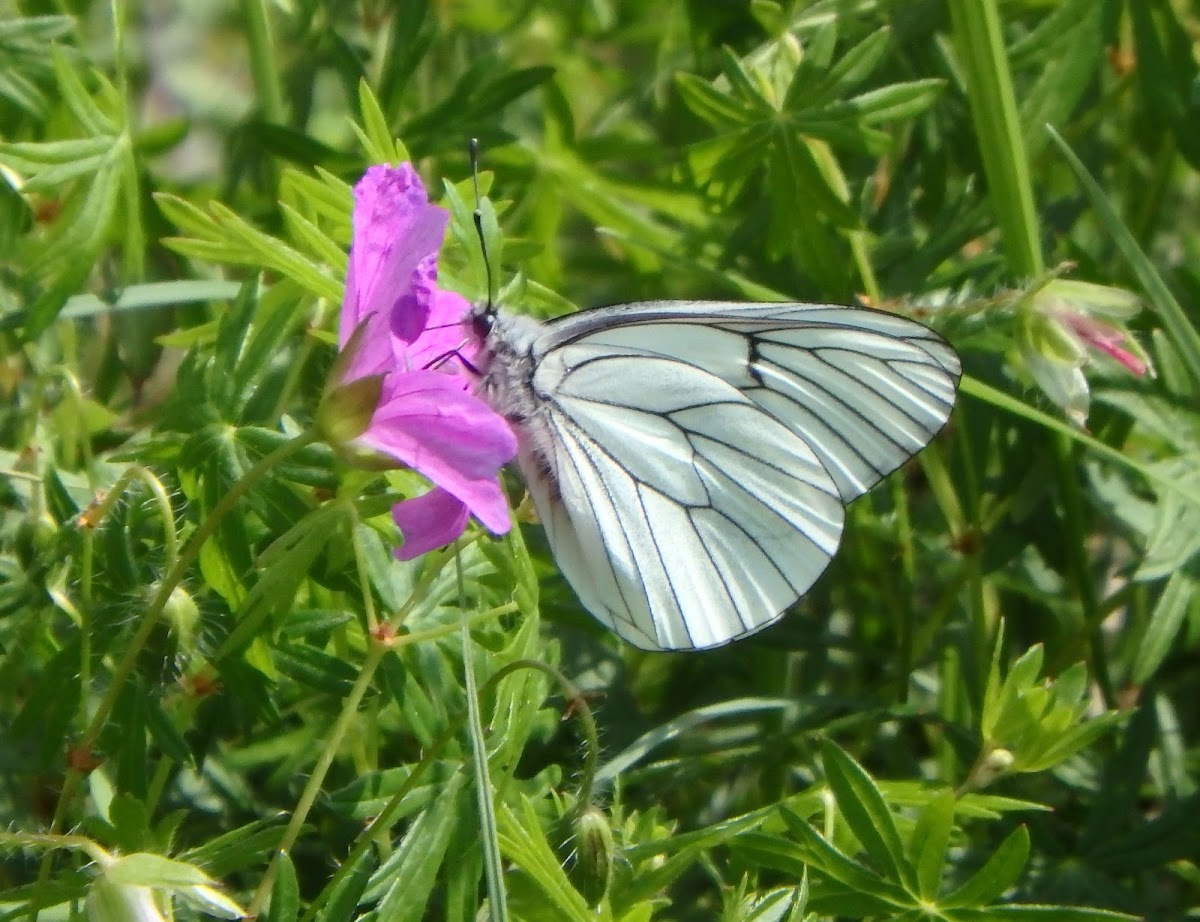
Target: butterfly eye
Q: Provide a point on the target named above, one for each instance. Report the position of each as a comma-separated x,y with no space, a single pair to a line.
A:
483,318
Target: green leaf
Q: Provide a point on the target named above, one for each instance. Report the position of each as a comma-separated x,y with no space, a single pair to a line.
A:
315,669
285,892
410,873
1178,597
1018,912
889,103
239,848
1174,536
853,67
719,110
929,841
524,844
865,811
821,859
150,296
33,157
998,874
346,892
1005,711
672,729
91,117
147,870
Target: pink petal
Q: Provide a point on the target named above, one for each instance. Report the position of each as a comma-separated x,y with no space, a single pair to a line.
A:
448,343
1105,338
395,229
426,421
1125,357
428,522
410,312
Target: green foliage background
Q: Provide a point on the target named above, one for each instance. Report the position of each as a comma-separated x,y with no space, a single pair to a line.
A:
984,710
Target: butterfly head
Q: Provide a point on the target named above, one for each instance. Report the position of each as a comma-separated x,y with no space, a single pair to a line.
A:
482,318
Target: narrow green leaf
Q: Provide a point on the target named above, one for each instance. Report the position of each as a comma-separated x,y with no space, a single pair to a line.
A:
744,86
524,844
314,239
929,842
1020,912
29,156
857,64
285,893
91,118
151,296
866,812
673,729
325,196
315,669
979,41
1178,596
1056,746
998,874
821,858
889,103
412,871
719,110
240,848
1005,708
148,870
345,892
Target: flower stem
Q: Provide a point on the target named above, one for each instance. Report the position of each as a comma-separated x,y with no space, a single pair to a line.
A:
51,841
375,655
492,862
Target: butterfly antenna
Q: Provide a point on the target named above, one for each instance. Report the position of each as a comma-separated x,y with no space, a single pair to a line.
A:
473,148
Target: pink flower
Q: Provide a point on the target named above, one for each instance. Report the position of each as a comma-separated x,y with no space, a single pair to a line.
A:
400,387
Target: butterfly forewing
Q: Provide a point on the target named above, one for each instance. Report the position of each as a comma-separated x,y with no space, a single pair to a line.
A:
690,460
865,389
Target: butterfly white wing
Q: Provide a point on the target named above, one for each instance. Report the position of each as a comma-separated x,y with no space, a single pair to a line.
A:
690,459
866,390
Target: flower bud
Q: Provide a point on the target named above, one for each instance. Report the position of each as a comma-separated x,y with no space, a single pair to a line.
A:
181,615
346,410
992,766
1063,326
592,868
33,541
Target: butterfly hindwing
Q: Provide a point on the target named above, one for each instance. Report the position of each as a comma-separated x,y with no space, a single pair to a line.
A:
683,515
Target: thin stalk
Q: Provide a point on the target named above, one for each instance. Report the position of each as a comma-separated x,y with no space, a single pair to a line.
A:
375,654
264,64
492,862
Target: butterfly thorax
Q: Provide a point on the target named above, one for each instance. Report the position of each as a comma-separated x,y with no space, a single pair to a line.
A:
507,366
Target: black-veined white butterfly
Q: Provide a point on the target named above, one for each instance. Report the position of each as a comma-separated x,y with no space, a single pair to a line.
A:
691,460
